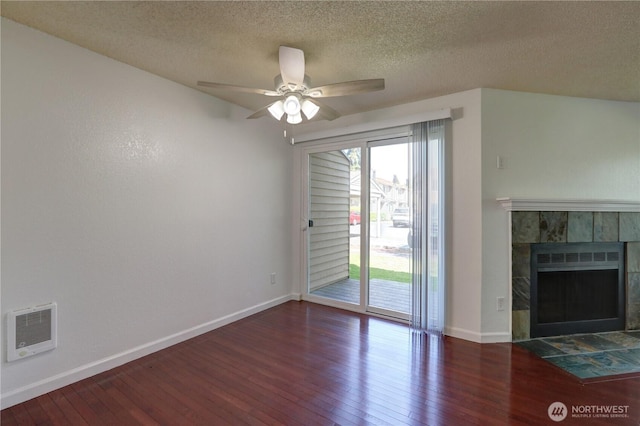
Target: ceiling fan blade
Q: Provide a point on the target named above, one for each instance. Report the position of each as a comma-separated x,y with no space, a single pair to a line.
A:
291,65
240,89
347,88
261,112
326,112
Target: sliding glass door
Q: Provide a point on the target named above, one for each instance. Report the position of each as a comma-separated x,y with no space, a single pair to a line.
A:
333,233
359,228
374,233
388,248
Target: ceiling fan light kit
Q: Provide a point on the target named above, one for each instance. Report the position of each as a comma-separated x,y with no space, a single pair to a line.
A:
309,109
294,89
276,109
294,118
292,105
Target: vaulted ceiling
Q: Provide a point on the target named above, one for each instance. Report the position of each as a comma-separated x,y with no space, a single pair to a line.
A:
421,49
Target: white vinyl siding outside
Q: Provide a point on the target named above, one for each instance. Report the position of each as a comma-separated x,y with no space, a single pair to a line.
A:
329,184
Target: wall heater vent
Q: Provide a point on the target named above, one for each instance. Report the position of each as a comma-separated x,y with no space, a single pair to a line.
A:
31,331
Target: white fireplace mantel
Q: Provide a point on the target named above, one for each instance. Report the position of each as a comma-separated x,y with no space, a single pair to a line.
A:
531,204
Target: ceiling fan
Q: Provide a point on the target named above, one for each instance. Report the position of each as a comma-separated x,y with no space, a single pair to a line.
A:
296,98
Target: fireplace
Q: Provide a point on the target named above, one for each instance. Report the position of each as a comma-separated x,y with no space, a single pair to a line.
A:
577,288
536,223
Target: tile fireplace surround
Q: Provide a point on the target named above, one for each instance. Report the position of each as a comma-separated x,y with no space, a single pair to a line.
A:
552,221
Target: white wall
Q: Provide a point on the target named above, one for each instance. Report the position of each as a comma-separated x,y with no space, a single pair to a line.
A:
148,211
465,223
553,147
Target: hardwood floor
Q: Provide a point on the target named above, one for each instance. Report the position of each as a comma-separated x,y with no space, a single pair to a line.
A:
306,364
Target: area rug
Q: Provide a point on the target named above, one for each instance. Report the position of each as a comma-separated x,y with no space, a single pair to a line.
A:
591,357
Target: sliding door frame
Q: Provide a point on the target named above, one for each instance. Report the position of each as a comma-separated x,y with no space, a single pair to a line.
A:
397,140
364,142
306,152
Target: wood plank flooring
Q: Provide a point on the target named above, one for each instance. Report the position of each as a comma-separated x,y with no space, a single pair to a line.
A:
306,364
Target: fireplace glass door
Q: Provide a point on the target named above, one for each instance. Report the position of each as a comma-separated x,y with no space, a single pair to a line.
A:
577,295
577,288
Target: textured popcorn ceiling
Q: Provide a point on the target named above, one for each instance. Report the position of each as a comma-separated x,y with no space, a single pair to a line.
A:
421,49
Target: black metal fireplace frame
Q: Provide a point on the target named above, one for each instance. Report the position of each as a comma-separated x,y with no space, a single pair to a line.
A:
547,257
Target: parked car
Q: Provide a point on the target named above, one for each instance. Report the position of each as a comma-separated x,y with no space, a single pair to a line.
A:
354,218
400,217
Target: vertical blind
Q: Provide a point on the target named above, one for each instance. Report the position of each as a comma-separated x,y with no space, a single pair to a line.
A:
428,227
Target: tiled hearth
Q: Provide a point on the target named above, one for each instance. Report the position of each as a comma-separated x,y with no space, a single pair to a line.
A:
530,227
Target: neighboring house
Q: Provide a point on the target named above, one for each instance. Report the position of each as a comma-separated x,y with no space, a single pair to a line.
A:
396,194
385,195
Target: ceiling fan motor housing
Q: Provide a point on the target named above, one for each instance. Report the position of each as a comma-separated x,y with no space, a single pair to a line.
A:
286,88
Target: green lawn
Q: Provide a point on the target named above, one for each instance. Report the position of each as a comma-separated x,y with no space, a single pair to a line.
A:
383,274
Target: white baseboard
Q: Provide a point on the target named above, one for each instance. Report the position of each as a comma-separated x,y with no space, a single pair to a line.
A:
497,337
463,334
474,336
58,381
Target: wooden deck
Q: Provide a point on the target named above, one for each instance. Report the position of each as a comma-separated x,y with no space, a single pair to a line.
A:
391,295
306,364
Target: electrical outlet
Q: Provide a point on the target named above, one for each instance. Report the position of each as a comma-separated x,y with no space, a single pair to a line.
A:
273,278
500,304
